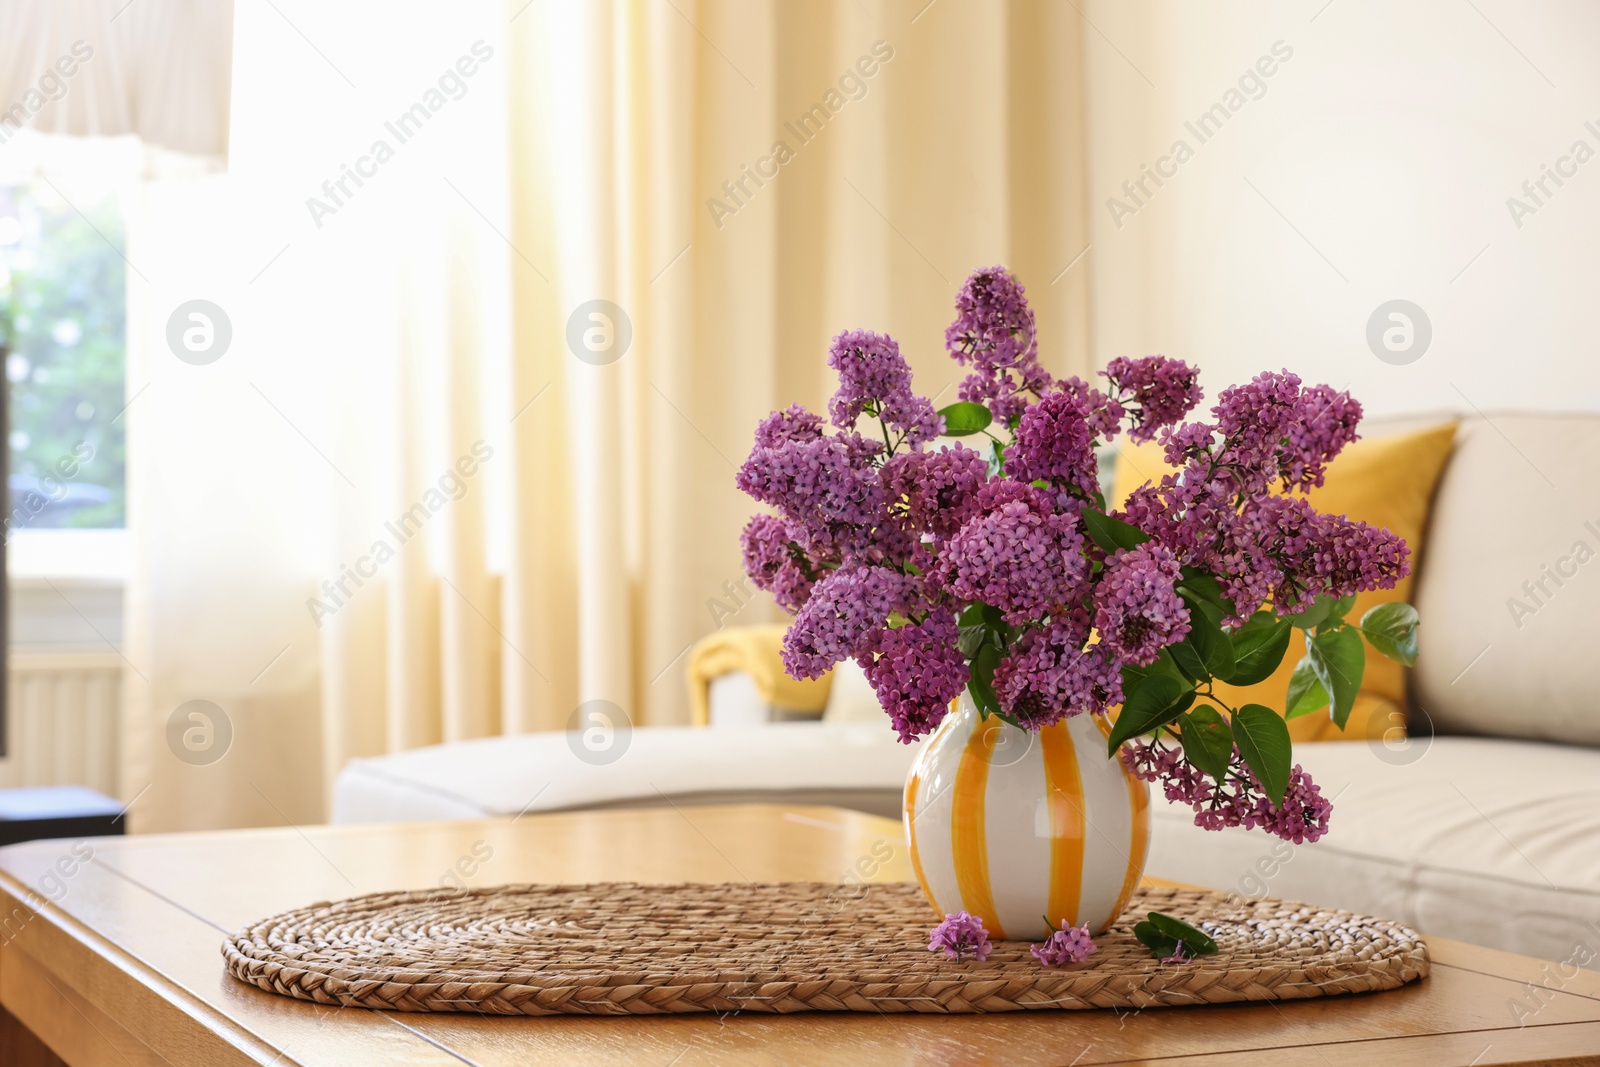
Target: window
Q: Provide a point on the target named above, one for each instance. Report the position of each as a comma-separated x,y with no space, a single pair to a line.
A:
62,325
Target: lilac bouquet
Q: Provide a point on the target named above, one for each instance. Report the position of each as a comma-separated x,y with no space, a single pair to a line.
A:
1002,571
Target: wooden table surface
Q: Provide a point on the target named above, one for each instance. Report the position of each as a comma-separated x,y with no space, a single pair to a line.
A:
125,967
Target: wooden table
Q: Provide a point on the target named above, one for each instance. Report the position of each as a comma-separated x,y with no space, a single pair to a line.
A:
125,968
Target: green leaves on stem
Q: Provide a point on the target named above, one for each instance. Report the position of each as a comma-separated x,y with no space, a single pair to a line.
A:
1330,674
1156,700
1167,937
1338,661
983,638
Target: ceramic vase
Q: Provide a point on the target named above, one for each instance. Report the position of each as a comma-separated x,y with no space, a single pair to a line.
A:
1020,827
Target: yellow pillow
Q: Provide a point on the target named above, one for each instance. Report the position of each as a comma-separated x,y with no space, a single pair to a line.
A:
758,652
1385,481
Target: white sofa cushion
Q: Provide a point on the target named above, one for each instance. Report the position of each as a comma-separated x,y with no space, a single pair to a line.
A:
1509,588
735,701
1489,842
851,698
859,767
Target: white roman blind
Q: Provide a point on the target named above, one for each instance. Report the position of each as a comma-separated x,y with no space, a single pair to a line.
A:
160,69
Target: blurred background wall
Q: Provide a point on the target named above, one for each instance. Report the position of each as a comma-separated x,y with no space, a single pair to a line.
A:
1374,164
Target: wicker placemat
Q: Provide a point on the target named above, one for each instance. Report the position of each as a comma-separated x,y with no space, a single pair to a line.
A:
627,949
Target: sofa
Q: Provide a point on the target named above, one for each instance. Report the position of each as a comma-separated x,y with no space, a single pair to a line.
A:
1469,809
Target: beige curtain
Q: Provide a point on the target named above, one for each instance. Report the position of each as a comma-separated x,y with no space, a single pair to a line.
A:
742,180
961,147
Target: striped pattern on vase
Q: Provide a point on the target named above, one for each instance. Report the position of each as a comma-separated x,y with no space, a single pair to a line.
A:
1014,826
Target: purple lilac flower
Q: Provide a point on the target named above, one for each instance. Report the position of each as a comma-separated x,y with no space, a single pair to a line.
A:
1018,555
1264,546
1159,390
1137,608
1284,549
1054,443
1048,675
1303,815
961,935
1105,413
934,492
1238,801
1184,444
1354,557
1070,944
1254,419
917,673
1327,423
993,326
844,616
794,423
874,377
1005,395
820,483
994,333
772,562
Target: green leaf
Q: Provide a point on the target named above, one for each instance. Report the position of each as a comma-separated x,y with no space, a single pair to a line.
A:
964,417
1132,675
1150,936
1312,616
1258,648
1208,592
1208,640
971,640
1201,583
972,616
1342,606
1392,630
1339,660
1305,691
1111,534
997,459
1263,740
1207,740
1165,937
1155,702
1196,942
1189,661
981,682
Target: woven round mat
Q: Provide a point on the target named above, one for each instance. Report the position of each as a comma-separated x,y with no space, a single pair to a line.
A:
627,949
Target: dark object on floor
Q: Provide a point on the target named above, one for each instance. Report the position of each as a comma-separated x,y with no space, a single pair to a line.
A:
57,811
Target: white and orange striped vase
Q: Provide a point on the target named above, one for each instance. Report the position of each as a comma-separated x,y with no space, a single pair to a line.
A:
1013,826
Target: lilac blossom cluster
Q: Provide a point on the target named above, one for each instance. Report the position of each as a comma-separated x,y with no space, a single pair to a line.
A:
1054,672
1070,944
1221,511
1238,799
961,935
943,569
994,334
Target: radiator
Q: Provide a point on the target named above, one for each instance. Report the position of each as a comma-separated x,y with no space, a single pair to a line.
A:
62,718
